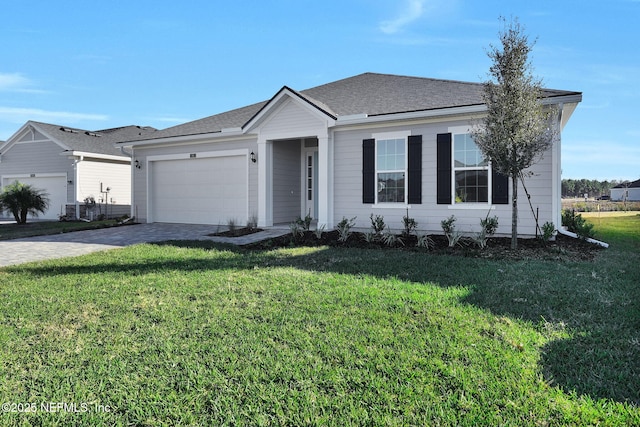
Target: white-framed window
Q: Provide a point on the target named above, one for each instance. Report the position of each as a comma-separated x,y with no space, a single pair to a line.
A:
391,169
471,171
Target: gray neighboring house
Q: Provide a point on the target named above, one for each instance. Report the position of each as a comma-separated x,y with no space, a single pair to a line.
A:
70,165
626,192
369,144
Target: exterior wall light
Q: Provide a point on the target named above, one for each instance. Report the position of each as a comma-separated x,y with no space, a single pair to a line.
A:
137,164
252,156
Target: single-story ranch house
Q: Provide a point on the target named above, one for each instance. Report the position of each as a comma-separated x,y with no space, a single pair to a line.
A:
626,192
70,165
369,144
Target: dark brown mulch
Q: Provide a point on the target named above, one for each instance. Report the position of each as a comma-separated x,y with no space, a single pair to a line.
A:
563,248
238,232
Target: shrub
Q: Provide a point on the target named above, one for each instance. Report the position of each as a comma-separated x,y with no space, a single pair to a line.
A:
576,224
391,239
377,224
305,223
409,225
424,241
449,228
370,236
548,230
489,225
344,228
252,222
296,230
319,230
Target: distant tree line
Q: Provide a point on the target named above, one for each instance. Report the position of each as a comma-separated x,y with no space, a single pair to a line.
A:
592,187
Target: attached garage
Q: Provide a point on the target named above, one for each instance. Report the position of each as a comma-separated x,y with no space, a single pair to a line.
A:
54,185
202,188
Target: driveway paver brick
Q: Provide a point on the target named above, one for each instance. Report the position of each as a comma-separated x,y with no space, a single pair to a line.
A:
77,243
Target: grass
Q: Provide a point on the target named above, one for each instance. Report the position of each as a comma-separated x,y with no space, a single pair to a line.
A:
194,333
40,228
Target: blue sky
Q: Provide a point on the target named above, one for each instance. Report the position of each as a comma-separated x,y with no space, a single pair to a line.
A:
96,65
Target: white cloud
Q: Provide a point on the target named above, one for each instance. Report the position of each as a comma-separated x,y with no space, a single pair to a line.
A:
14,82
413,10
22,115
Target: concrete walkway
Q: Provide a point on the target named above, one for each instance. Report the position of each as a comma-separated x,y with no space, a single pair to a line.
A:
77,243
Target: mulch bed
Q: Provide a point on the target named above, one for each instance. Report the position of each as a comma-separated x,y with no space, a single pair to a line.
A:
563,248
238,232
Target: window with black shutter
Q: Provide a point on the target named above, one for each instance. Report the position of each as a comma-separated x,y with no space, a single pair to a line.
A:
392,170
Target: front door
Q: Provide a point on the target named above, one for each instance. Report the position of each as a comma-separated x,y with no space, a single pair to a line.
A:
311,184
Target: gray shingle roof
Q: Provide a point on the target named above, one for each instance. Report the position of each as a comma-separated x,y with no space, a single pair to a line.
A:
369,93
634,184
99,141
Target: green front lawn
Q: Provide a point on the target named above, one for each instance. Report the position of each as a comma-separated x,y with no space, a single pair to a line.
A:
40,228
193,333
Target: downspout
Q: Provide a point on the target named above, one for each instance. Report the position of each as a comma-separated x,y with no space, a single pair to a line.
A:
568,233
130,155
75,184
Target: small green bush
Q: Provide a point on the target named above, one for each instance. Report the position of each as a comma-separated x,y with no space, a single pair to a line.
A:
576,224
409,225
377,224
344,228
548,230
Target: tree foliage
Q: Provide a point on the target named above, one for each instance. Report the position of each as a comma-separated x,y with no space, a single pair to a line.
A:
592,187
22,199
517,129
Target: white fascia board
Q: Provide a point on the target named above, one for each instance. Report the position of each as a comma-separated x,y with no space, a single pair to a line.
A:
173,140
277,101
563,99
95,156
456,111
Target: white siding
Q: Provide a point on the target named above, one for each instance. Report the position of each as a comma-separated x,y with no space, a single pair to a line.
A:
39,159
291,120
348,188
116,176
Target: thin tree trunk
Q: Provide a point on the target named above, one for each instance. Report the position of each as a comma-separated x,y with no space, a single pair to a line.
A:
514,212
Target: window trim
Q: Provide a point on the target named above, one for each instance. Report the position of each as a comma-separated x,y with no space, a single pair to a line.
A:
465,130
382,136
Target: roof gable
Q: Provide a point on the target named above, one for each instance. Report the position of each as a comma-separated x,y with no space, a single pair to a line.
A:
73,139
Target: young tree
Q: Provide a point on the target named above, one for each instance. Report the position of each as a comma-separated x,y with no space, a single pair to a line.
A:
22,199
517,129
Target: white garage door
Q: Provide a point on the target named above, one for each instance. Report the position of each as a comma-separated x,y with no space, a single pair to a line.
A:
199,191
55,186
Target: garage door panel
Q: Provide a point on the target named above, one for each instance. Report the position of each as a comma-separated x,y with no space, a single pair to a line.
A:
54,186
201,191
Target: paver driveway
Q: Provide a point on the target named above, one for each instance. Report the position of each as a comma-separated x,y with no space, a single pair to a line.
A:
76,243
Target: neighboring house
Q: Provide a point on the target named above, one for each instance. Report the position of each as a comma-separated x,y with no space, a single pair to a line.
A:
70,165
370,144
626,192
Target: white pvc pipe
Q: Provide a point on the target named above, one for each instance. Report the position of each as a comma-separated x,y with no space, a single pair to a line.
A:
562,230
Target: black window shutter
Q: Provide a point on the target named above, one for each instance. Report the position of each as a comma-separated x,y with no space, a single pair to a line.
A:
369,171
499,188
415,169
444,169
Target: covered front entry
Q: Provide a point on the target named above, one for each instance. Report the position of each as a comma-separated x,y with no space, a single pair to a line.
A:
295,179
199,190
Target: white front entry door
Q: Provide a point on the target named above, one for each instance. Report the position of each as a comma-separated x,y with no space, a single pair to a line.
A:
310,187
